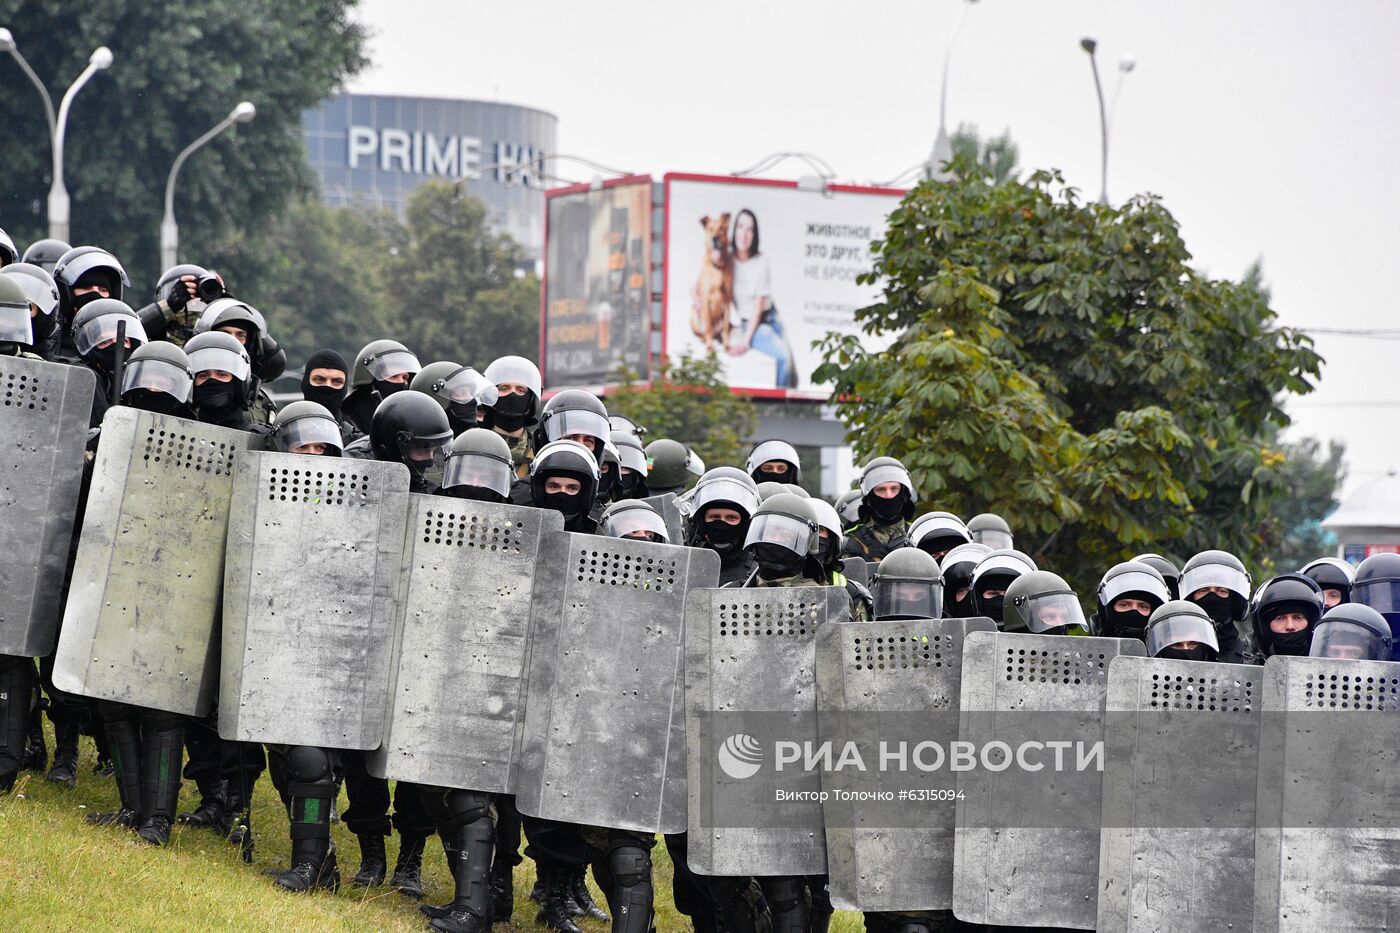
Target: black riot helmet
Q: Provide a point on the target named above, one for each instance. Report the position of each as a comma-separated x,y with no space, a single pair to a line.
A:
723,488
569,460
83,267
1331,574
412,429
46,253
780,453
937,533
16,326
157,377
575,415
782,535
632,462
1292,595
95,331
170,278
307,428
1042,603
994,574
1171,574
41,291
381,362
1131,580
907,585
672,466
1352,632
243,322
992,530
957,567
1211,570
881,473
633,518
459,389
518,383
479,467
8,251
1377,583
216,352
1182,630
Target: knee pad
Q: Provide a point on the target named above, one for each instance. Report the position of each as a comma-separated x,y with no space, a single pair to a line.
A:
465,807
308,764
629,866
785,894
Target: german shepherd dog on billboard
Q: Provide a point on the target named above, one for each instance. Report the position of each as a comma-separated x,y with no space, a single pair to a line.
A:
714,290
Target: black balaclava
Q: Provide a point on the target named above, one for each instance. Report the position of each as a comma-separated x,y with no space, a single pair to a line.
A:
325,395
1221,610
511,412
966,608
161,403
218,400
474,493
1126,624
888,511
776,562
569,506
630,485
1199,653
1293,644
826,553
99,276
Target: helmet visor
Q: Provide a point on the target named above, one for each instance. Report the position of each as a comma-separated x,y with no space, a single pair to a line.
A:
897,598
426,454
634,458
158,376
468,387
772,450
206,359
103,329
888,473
784,530
1139,583
1177,629
15,324
393,363
1381,595
514,370
1347,641
313,430
481,470
80,266
39,292
577,421
1052,611
731,492
939,529
1236,581
624,522
994,538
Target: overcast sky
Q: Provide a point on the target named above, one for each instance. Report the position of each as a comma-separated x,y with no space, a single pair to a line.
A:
1269,127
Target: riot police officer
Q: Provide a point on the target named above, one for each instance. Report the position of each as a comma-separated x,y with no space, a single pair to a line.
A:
1127,596
937,533
992,530
673,466
1352,632
1171,575
27,332
887,505
1377,585
45,253
1334,576
157,377
1042,603
308,428
1285,613
632,518
718,512
223,381
848,507
83,274
908,585
992,576
182,294
1219,584
517,407
382,368
479,466
957,567
460,390
324,380
1182,630
775,462
632,465
412,429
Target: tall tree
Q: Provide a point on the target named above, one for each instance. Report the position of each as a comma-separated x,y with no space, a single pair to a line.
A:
180,67
690,403
1311,475
998,155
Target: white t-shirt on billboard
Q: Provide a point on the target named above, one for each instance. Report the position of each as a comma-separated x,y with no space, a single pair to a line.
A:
752,279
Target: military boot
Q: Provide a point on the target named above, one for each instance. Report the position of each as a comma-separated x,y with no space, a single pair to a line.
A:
373,861
629,868
124,739
160,777
449,851
579,894
739,903
65,754
502,890
554,910
213,804
103,765
474,845
787,899
36,750
313,853
408,869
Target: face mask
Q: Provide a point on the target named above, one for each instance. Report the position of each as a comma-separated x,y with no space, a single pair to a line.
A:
630,486
80,300
1198,653
776,561
324,395
993,608
1125,624
723,537
161,403
566,505
386,389
1220,609
887,511
43,327
511,412
826,552
960,608
1293,644
457,418
475,494
218,396
105,359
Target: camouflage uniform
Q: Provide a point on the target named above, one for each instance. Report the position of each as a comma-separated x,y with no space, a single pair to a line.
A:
873,541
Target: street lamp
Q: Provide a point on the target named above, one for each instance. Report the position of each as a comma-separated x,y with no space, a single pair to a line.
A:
1089,45
169,230
943,145
7,44
100,59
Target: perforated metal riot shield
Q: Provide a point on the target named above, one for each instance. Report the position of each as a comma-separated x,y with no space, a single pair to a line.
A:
141,623
1026,845
750,685
604,739
1327,854
457,679
888,689
665,505
856,568
312,580
44,412
1176,852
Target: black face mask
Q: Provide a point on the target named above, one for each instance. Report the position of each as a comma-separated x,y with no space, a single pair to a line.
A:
1198,653
826,552
631,485
86,298
1125,624
161,403
566,505
461,417
511,412
43,327
474,493
325,396
218,396
386,389
1221,609
994,608
776,561
887,511
780,477
104,359
960,608
722,537
1293,644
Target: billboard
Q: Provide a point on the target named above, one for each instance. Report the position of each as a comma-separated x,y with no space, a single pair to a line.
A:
595,319
756,270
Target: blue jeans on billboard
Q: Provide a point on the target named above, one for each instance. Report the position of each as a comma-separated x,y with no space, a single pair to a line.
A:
769,339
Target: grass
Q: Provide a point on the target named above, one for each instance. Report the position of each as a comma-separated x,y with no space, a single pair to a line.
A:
58,873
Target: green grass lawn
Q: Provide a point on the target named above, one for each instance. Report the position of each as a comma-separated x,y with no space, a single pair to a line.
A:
58,873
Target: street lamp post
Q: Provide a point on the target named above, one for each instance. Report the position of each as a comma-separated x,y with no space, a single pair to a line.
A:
169,230
58,195
7,44
943,144
1089,45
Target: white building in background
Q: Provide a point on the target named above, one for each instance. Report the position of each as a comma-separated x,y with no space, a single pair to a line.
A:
1368,522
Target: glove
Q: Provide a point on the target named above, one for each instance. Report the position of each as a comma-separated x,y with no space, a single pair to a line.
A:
179,297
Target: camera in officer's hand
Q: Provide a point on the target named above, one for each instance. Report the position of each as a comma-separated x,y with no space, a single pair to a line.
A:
209,288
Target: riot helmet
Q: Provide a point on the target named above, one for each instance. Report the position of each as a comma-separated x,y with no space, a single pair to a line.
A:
719,510
459,389
40,291
412,429
45,253
8,251
992,530
769,488
1377,585
386,366
1334,577
796,490
16,325
1182,630
957,568
222,371
479,467
1171,575
274,359
1352,632
626,425
564,477
519,387
631,480
907,585
208,287
83,269
829,544
783,534
887,492
307,428
993,575
320,382
633,518
1286,611
239,320
1042,603
672,466
170,278
95,331
1127,596
780,459
937,533
574,415
848,507
1218,582
608,472
157,377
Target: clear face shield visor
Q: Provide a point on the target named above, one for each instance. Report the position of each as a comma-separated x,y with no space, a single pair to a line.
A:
729,491
897,598
1236,581
625,522
293,434
1381,595
158,376
480,470
466,390
217,358
993,538
1177,629
1052,611
384,366
577,421
786,531
103,329
886,474
15,324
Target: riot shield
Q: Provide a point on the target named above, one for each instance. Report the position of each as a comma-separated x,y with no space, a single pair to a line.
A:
855,568
889,686
1026,846
1327,854
750,683
44,412
604,738
1176,852
141,623
311,583
457,678
665,505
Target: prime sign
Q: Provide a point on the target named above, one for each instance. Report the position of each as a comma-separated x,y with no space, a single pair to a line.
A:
418,153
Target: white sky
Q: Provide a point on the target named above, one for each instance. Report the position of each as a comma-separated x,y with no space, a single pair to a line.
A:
1269,126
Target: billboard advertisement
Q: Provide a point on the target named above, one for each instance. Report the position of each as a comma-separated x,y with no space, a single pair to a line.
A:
595,321
756,270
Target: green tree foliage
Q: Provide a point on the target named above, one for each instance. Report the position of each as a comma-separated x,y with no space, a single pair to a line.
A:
690,403
180,67
998,155
1062,364
1311,476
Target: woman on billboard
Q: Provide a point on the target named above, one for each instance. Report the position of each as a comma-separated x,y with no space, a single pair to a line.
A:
758,316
